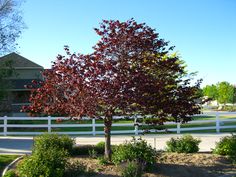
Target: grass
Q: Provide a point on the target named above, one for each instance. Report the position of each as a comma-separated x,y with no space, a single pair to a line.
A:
5,160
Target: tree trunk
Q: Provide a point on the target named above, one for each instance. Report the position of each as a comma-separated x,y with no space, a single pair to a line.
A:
107,131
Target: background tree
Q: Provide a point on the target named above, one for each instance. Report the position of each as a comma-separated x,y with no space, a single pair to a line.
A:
234,94
130,72
225,92
211,91
6,71
11,24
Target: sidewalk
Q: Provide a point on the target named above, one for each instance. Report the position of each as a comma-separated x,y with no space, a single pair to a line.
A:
23,145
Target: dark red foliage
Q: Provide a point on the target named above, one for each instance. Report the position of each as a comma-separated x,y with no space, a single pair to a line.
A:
131,71
139,75
67,88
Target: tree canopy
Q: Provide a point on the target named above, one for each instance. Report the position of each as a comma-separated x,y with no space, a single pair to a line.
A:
131,71
211,91
223,92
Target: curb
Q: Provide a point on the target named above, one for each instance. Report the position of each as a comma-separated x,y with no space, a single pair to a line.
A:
9,165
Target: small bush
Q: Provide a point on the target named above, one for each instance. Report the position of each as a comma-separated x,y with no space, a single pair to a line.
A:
10,173
82,150
48,163
45,141
49,156
227,146
93,153
100,147
132,169
136,150
102,161
86,149
185,144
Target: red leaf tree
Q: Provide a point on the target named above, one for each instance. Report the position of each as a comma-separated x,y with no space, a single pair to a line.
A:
131,71
66,89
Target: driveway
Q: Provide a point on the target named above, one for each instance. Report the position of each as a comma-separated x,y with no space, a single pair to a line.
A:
23,145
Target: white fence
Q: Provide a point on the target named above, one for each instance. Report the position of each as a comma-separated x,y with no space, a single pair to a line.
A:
212,124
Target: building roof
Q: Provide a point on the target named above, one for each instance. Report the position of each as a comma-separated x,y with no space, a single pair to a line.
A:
18,61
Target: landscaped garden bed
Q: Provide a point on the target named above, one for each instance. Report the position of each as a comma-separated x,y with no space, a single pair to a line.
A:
55,156
169,165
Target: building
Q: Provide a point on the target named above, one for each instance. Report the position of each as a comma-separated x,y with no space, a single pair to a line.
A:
26,71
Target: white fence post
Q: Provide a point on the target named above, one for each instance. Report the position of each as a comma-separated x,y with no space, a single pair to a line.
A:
217,122
178,128
135,126
49,124
5,126
94,126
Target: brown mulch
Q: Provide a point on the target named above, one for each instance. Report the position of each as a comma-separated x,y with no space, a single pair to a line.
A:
172,165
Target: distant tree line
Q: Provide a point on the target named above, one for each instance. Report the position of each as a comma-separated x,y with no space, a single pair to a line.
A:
223,92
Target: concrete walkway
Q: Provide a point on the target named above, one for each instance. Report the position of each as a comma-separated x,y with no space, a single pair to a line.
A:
23,145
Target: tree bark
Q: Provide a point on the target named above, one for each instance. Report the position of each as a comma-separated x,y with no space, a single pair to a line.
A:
107,131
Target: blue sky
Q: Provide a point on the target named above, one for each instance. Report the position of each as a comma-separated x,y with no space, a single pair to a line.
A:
203,31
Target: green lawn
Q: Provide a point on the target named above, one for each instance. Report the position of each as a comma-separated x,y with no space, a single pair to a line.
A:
5,160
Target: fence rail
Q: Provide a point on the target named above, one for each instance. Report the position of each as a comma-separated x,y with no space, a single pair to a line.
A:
216,124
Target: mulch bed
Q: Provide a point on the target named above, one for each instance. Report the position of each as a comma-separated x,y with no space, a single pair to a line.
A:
172,165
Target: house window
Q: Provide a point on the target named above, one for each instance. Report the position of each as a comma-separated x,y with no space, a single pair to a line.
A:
20,97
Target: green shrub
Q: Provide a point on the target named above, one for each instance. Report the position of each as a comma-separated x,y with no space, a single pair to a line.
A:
86,149
227,146
100,147
185,144
10,173
45,141
132,169
49,156
82,150
47,163
93,153
136,150
102,161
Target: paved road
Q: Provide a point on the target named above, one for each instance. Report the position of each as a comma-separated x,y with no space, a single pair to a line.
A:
23,145
15,145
